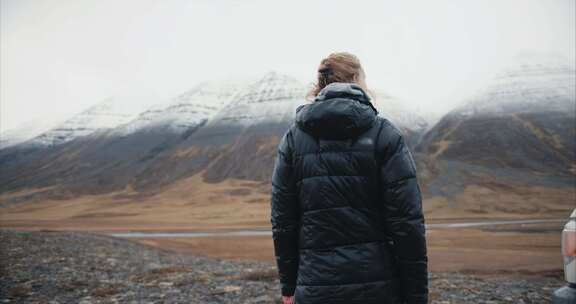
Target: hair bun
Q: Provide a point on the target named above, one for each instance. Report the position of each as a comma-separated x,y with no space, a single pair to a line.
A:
337,67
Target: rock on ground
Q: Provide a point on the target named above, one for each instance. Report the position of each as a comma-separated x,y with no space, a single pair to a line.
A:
66,267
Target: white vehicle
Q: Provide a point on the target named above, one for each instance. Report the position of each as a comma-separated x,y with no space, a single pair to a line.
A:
567,294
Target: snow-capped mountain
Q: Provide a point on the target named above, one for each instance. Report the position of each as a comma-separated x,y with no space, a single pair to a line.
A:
533,83
24,132
187,110
104,115
224,129
524,120
273,98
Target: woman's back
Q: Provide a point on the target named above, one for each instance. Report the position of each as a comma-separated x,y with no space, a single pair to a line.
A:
346,207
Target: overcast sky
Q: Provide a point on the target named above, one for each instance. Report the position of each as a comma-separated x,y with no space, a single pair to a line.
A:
58,57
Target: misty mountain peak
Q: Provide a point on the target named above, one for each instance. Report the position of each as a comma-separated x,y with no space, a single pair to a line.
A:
532,84
106,114
273,86
186,111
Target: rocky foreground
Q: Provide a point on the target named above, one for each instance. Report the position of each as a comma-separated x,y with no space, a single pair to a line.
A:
63,267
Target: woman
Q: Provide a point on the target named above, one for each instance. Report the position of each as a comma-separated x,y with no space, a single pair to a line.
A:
346,212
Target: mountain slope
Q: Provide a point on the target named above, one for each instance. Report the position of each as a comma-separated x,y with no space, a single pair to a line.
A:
521,129
109,159
240,141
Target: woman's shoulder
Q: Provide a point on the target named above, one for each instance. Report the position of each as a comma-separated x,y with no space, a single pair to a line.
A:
388,128
389,135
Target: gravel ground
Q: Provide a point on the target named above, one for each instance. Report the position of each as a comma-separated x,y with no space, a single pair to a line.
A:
64,267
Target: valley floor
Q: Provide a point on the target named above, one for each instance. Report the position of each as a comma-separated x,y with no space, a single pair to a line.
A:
61,250
511,249
80,267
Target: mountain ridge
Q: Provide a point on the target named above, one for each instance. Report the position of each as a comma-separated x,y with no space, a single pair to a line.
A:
236,135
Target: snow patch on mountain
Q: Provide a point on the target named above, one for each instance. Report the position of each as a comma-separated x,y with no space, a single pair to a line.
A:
273,98
24,132
533,83
104,115
186,111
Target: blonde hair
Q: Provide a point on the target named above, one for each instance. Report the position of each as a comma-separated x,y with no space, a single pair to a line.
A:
338,67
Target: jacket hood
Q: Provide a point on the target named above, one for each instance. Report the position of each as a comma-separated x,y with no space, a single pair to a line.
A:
339,111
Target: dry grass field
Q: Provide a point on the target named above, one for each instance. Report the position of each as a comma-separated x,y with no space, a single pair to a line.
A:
525,251
193,205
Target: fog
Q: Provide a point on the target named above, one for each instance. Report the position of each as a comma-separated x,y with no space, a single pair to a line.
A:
59,57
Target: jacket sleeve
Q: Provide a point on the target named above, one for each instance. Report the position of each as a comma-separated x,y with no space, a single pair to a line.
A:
403,217
285,217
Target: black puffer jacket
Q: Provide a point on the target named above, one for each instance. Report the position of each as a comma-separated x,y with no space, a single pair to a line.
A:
346,206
